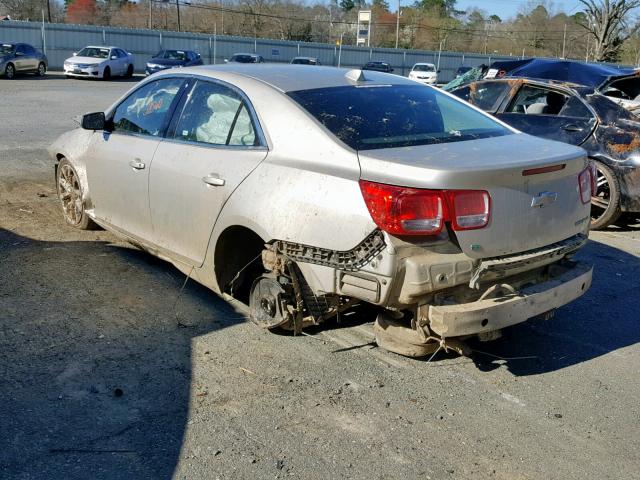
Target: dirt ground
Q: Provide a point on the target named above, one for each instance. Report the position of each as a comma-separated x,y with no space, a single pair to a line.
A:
107,371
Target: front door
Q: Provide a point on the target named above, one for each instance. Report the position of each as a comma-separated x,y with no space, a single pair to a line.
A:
119,160
212,146
549,113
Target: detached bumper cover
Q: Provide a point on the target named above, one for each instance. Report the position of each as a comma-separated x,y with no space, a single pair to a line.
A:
496,313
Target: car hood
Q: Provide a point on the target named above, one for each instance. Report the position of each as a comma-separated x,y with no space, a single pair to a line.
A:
168,62
85,60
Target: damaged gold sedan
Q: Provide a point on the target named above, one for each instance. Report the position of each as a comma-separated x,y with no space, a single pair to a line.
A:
300,193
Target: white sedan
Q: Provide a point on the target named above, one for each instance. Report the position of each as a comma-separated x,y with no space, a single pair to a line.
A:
426,73
99,62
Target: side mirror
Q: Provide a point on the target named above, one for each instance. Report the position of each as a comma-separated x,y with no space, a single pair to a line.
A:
438,71
19,54
226,60
93,121
114,57
75,54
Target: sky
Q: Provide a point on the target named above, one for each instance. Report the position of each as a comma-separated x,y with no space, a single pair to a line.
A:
506,9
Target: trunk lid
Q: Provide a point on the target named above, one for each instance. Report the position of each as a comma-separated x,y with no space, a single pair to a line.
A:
496,165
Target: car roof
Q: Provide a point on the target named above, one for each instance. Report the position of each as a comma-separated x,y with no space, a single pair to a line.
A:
306,58
582,89
101,46
423,63
289,78
243,53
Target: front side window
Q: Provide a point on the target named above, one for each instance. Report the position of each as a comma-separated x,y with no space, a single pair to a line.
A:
533,100
215,115
388,116
145,111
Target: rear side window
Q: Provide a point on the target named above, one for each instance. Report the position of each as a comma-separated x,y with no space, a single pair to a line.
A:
215,115
484,95
388,116
145,111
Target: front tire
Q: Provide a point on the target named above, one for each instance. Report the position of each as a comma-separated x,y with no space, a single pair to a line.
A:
9,71
129,73
106,75
605,205
42,69
70,195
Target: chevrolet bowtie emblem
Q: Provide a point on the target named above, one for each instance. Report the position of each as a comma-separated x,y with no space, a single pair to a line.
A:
544,199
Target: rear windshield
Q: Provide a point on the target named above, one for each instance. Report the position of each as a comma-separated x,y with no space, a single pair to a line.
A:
388,116
243,59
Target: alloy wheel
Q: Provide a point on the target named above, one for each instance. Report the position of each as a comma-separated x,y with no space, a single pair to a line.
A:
70,194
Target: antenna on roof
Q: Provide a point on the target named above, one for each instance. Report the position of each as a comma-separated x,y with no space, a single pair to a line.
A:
355,75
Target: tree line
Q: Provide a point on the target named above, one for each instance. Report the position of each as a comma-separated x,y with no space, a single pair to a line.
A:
600,30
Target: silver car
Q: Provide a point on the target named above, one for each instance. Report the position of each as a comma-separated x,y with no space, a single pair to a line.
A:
99,62
300,193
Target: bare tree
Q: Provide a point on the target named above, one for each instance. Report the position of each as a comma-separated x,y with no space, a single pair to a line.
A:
608,23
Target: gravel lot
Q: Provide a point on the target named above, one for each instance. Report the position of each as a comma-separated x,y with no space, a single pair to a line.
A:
108,372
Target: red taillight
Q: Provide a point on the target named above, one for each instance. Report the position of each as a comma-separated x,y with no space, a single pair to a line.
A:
586,185
414,211
470,209
593,169
404,211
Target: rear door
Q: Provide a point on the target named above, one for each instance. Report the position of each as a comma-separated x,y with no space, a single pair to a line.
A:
549,113
212,146
118,161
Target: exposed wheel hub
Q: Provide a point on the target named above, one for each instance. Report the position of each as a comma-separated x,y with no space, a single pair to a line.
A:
267,303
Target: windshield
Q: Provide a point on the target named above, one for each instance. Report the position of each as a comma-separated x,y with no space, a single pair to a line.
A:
424,68
468,77
172,55
6,49
94,52
386,116
243,59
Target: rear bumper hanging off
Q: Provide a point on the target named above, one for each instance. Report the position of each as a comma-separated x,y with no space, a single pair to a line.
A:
496,313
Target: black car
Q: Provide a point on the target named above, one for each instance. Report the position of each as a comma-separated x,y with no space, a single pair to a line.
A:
378,67
17,58
461,71
579,115
166,59
246,58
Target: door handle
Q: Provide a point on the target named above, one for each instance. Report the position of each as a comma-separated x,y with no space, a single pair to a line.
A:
572,128
136,164
214,180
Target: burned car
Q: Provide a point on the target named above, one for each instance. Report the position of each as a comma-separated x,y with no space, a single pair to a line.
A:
386,192
577,115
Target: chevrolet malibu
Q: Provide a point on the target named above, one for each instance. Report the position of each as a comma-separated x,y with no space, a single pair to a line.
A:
99,62
298,194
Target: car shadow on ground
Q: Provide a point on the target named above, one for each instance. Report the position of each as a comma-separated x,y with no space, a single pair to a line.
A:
603,321
96,359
